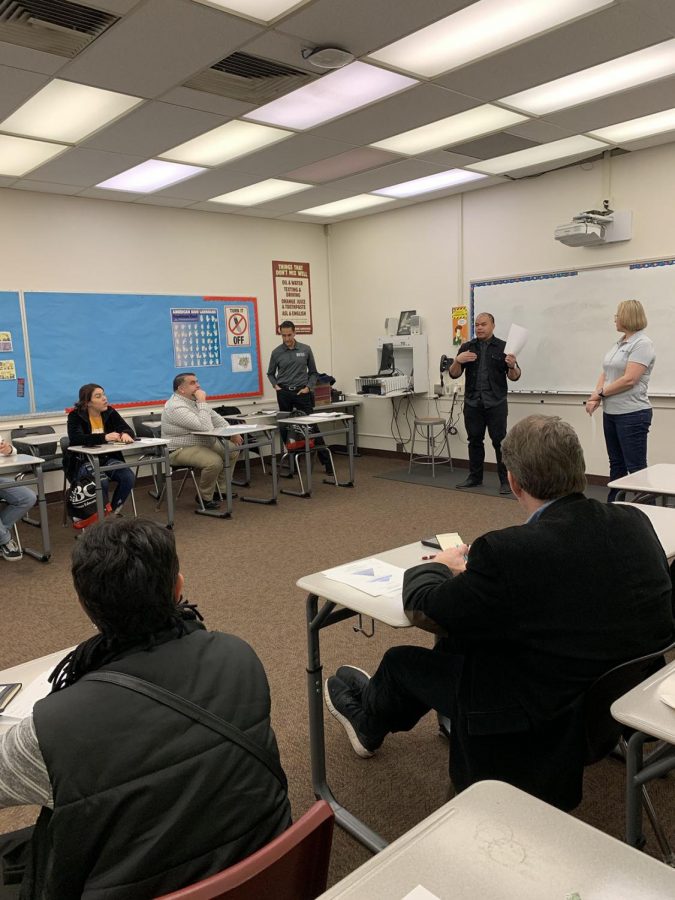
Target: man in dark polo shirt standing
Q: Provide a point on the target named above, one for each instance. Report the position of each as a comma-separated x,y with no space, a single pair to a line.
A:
292,374
487,368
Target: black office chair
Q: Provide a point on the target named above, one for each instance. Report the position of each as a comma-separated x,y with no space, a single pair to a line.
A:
604,734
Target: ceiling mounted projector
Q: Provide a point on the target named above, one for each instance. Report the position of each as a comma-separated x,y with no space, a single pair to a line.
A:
328,57
594,227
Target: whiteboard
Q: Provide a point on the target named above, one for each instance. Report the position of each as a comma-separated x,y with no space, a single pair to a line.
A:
570,319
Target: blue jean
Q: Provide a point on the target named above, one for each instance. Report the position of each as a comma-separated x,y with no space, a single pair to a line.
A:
626,440
18,500
123,478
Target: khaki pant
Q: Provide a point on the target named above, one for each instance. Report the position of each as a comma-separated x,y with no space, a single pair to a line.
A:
210,461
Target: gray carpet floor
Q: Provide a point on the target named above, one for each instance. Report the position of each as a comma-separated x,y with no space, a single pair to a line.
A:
243,574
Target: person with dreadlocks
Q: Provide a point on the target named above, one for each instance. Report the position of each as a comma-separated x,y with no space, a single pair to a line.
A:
153,757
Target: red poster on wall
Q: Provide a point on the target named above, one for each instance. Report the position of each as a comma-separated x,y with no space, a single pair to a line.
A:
292,294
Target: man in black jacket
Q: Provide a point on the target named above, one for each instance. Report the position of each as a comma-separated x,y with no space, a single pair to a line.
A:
139,798
528,618
487,367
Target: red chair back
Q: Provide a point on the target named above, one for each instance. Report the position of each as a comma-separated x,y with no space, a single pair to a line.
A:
294,866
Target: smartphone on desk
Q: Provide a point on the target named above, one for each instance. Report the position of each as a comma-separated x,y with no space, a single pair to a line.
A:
7,693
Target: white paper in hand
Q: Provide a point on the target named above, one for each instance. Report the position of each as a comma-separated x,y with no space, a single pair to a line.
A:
516,340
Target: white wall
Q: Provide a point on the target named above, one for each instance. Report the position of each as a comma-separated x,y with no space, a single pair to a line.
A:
425,257
56,243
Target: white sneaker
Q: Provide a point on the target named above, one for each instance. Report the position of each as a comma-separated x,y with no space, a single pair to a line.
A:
10,551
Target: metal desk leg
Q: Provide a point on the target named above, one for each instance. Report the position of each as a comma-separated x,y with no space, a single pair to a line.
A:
307,492
100,507
44,524
349,436
317,747
266,500
167,486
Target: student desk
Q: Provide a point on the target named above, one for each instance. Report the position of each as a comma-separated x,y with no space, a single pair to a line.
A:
351,405
663,520
22,462
139,446
27,672
658,479
494,842
349,602
264,437
642,710
344,425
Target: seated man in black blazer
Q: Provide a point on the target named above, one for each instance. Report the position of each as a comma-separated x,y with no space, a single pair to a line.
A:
528,618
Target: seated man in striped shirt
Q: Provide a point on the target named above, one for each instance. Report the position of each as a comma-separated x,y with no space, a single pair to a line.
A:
187,411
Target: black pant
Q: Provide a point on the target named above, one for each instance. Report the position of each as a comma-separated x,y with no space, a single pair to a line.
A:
476,420
408,683
292,400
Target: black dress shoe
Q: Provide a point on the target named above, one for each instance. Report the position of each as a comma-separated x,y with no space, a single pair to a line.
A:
504,488
211,504
468,483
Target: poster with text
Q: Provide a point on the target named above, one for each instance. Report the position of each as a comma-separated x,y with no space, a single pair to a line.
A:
460,325
292,294
196,338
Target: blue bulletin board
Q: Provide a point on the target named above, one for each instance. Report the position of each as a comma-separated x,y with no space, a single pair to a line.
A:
134,344
14,394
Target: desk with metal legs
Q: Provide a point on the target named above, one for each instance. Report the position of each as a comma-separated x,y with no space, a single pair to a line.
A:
139,446
344,425
21,462
263,436
652,719
658,480
342,602
495,842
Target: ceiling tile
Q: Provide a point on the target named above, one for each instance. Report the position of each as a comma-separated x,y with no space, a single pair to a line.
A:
153,128
416,106
661,11
208,184
157,46
540,131
283,48
159,200
594,39
33,60
363,27
300,150
18,85
101,194
84,167
385,176
494,145
221,106
116,7
45,187
344,164
641,101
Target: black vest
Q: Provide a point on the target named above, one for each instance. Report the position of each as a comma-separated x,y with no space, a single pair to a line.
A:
145,800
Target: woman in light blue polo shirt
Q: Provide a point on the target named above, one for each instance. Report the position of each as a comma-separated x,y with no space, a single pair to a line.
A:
622,390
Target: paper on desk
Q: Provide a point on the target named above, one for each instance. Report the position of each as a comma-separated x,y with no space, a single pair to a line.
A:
420,893
372,576
667,691
238,429
327,415
516,340
22,705
451,539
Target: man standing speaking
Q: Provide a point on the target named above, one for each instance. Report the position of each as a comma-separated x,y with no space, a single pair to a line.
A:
487,368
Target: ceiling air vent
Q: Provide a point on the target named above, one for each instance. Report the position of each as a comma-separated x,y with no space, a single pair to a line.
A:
249,78
52,26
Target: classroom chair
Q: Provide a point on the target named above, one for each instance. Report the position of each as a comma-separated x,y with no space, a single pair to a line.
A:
294,866
233,416
604,734
434,431
293,452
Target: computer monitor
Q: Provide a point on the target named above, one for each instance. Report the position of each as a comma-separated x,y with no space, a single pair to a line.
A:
387,365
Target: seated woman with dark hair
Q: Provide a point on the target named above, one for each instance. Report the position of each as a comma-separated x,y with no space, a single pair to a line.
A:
91,423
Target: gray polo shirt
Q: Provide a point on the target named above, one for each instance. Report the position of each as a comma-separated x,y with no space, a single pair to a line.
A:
294,368
638,349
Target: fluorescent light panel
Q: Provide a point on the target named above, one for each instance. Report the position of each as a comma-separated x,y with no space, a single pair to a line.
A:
20,155
332,95
149,176
451,130
429,183
598,81
68,112
341,207
533,156
635,129
263,10
478,30
225,143
261,192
